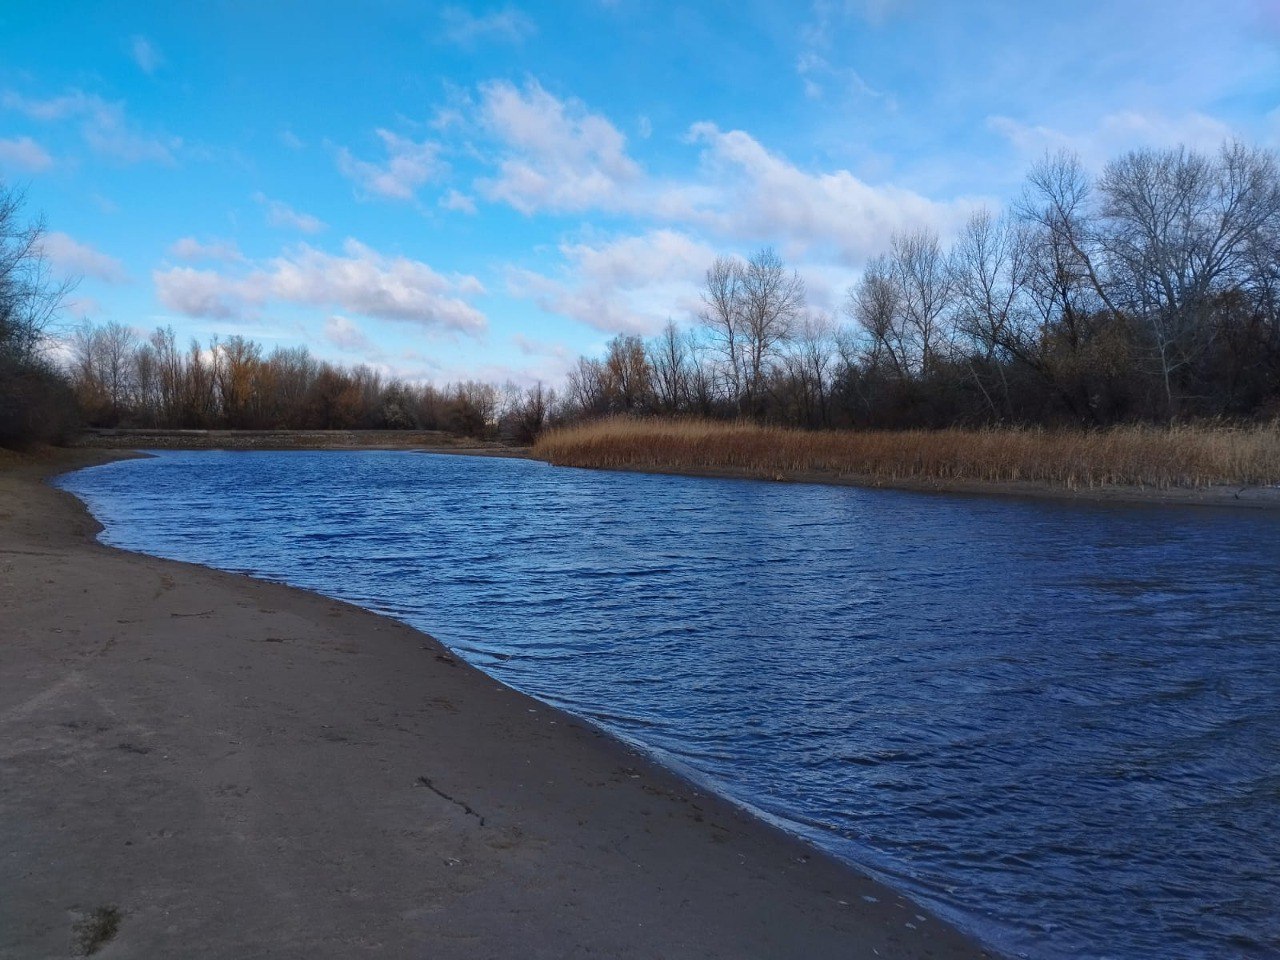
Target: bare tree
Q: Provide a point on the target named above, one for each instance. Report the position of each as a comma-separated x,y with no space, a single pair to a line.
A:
772,302
811,363
628,377
669,360
990,265
722,301
236,372
103,367
919,270
874,304
169,376
30,295
1067,286
526,412
1058,200
1180,228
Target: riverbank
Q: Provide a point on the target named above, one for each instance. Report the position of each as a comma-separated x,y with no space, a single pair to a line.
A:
434,441
1184,466
201,764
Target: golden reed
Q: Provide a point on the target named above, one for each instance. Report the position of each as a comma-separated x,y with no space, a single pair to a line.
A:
1135,456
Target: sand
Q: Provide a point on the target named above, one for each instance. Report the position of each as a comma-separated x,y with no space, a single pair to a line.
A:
198,764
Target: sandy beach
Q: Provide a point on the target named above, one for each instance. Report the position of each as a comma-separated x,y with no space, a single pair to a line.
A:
199,764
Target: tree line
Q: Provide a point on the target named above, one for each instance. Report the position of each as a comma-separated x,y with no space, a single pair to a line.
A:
1150,293
120,379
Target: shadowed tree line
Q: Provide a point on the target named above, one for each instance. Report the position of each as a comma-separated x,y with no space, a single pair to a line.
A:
1147,294
121,379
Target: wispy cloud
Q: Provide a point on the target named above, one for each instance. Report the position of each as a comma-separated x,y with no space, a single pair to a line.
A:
145,54
465,29
283,216
1114,133
819,75
23,153
629,285
189,248
347,336
458,202
103,125
71,256
408,165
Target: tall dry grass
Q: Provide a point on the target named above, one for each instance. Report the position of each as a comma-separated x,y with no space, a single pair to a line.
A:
1136,456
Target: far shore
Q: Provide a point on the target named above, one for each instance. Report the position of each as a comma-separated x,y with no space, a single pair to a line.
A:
1180,465
1230,496
201,764
430,441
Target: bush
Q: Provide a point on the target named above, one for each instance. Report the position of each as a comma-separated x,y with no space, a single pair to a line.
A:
36,403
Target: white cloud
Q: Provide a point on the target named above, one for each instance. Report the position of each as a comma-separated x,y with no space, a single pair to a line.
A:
556,156
763,198
23,153
366,282
460,202
346,335
361,281
189,248
145,55
200,293
408,166
103,125
507,25
280,214
631,285
560,157
72,256
291,140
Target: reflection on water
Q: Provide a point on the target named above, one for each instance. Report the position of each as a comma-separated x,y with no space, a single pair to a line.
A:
1057,724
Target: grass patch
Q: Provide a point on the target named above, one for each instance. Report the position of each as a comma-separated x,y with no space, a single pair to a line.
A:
1129,456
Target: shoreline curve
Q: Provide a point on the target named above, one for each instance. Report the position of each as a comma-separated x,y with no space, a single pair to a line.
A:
230,766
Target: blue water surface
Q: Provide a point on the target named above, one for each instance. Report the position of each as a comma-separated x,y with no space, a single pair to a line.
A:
1057,724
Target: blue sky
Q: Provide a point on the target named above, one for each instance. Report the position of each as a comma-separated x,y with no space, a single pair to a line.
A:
447,191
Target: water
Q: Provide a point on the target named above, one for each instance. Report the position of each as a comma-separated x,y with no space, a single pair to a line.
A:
1058,725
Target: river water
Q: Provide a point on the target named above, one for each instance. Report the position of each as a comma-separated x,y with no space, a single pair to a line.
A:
1056,724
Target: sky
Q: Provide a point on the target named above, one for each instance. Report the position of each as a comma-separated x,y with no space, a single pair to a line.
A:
455,191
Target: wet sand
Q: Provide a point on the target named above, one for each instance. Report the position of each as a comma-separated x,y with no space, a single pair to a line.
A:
198,764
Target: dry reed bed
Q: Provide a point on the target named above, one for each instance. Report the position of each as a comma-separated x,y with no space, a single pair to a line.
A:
1135,456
